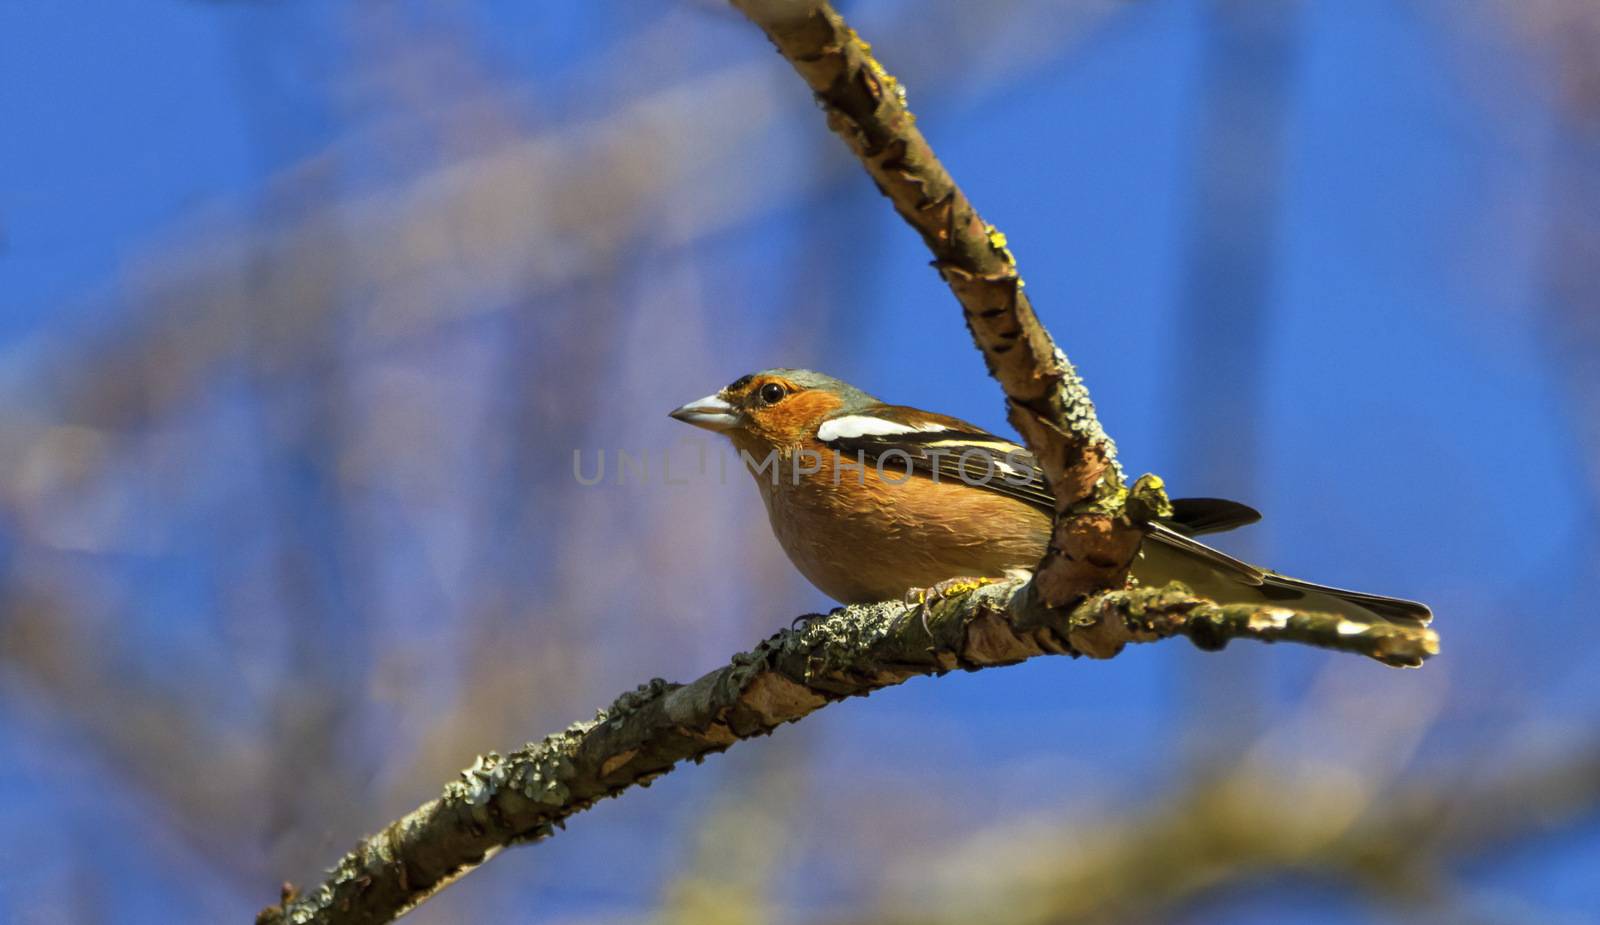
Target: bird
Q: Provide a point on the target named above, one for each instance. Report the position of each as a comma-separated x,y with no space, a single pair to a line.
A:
873,501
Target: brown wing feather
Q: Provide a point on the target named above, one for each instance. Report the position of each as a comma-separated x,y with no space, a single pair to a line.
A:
960,452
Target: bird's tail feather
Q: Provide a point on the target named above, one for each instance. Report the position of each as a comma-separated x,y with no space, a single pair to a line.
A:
1168,555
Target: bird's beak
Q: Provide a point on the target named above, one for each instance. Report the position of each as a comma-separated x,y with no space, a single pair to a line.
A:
710,412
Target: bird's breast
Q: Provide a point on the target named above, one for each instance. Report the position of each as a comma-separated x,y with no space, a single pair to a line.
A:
864,536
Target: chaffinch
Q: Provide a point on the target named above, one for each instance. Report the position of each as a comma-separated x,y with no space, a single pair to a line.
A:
873,501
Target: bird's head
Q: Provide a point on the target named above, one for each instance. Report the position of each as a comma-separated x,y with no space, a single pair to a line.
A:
773,409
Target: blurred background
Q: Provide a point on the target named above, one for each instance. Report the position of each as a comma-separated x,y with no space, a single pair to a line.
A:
305,307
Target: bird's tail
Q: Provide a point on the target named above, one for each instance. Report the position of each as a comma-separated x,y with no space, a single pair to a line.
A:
1168,555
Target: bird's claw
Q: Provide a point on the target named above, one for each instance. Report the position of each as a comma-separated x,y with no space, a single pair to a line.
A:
917,600
923,599
804,621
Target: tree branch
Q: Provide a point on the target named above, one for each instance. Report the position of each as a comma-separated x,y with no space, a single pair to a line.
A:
866,107
1046,401
502,801
523,797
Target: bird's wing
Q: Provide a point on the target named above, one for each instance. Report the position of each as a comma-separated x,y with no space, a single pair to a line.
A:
900,439
950,449
1199,516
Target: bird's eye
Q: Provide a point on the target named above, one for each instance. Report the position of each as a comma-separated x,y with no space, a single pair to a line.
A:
772,393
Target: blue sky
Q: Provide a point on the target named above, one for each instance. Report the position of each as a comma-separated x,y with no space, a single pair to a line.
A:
1346,321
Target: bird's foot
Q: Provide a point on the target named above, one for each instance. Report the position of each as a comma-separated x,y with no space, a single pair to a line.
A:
804,621
923,599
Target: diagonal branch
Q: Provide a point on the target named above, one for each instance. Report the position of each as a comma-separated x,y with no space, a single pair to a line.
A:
1046,401
523,797
866,107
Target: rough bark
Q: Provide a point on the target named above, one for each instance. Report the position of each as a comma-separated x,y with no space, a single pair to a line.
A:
522,797
1046,401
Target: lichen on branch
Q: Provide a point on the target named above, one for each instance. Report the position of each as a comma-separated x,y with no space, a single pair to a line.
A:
524,796
1046,400
866,107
